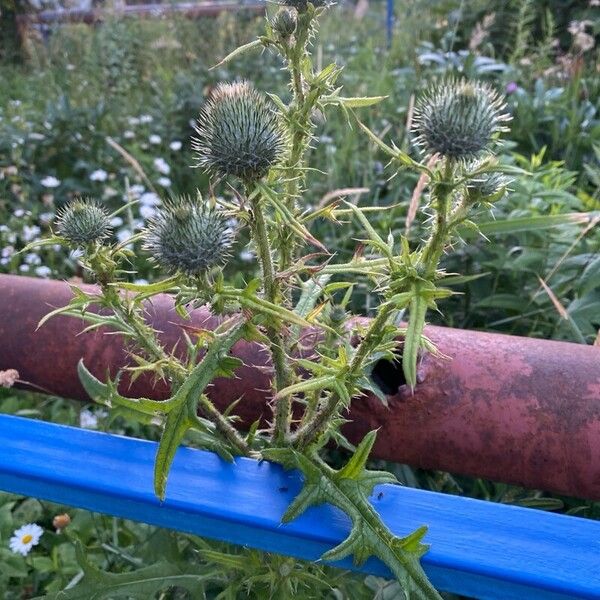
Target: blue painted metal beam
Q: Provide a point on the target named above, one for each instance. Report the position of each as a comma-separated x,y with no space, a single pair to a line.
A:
479,549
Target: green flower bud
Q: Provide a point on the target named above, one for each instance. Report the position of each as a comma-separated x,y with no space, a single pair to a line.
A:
238,133
459,119
284,23
83,222
188,236
338,315
488,187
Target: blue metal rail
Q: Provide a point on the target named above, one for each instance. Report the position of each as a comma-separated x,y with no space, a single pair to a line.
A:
479,549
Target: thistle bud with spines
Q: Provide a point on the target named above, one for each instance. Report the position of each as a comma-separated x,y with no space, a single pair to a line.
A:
82,222
238,133
459,119
284,23
487,187
188,236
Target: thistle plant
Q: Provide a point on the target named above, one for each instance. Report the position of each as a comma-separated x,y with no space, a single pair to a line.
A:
256,145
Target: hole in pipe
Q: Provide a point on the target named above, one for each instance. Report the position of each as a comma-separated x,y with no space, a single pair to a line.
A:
388,375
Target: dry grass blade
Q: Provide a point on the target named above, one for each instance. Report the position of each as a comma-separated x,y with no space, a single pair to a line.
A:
341,193
132,161
560,309
415,200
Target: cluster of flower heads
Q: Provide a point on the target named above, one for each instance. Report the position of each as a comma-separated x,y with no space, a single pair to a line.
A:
188,236
238,133
459,119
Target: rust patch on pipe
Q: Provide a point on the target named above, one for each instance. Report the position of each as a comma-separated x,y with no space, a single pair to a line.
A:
506,408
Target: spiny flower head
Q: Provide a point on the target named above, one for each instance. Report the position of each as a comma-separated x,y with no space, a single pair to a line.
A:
458,119
487,187
238,133
83,222
188,236
284,23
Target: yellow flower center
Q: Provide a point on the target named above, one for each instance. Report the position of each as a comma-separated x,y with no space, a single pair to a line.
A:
26,538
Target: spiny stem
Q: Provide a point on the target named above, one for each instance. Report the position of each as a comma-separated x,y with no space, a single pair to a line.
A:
313,428
229,432
282,408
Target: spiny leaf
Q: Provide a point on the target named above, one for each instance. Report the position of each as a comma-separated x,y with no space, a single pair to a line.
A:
176,426
106,394
349,489
356,465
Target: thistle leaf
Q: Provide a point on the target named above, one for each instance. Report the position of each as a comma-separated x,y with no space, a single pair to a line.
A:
176,426
349,489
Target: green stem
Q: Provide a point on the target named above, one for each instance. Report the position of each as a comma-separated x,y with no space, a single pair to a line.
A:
434,247
223,425
314,427
282,409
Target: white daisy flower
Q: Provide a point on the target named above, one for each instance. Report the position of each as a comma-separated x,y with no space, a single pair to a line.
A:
25,538
175,145
99,175
50,181
146,119
164,181
155,139
128,135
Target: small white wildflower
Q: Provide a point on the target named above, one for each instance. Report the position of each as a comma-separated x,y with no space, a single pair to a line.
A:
161,165
147,212
25,538
30,233
146,119
123,234
33,259
43,271
175,145
24,268
149,199
50,181
99,175
7,251
128,135
141,282
247,255
88,420
155,139
4,261
46,218
164,181
109,192
19,213
133,121
116,222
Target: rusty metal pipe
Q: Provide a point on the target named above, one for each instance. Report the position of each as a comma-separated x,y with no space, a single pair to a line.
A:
505,408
